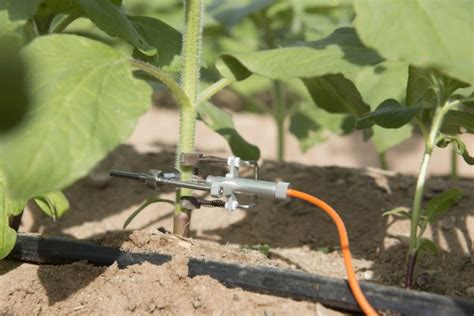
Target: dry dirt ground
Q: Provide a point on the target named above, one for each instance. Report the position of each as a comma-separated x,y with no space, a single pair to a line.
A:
298,236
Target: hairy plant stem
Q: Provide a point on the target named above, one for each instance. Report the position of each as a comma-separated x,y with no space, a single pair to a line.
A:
167,80
280,115
212,90
454,163
191,66
279,107
430,142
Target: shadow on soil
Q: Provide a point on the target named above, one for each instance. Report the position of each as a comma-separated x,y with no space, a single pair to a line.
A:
360,197
6,266
99,196
62,283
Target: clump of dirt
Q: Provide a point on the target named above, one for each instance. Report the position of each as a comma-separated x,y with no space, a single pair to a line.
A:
167,243
82,289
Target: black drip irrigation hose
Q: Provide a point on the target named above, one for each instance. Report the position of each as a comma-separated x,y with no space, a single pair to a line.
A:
286,283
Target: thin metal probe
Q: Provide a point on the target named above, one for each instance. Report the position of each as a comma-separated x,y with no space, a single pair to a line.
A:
128,175
188,185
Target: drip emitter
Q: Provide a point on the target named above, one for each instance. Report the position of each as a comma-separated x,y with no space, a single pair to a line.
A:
227,190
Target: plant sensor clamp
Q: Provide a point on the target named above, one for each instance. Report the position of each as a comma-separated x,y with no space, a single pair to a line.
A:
227,187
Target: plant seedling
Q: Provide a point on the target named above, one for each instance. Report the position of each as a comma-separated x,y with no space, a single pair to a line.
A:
440,115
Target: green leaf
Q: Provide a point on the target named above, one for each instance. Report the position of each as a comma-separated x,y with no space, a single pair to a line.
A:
19,10
441,203
85,102
231,12
13,17
389,114
367,134
53,204
458,122
345,54
13,89
145,203
426,245
160,35
221,122
385,80
68,6
336,94
424,33
316,19
112,21
468,100
450,85
461,147
340,52
421,88
398,211
311,125
429,88
385,138
61,6
8,207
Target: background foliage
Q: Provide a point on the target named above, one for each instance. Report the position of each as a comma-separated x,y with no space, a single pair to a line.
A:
332,66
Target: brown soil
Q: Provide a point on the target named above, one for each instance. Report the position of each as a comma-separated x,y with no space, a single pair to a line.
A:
298,235
81,289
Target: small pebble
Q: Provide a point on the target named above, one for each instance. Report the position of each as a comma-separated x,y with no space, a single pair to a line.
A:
306,248
470,291
132,307
151,307
180,265
368,275
424,281
139,239
197,303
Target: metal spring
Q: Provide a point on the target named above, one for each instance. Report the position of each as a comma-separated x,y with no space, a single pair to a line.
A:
211,203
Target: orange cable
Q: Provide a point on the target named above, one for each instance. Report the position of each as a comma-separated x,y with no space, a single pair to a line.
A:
346,253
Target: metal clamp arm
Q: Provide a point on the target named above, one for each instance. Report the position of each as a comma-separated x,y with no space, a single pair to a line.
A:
227,187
